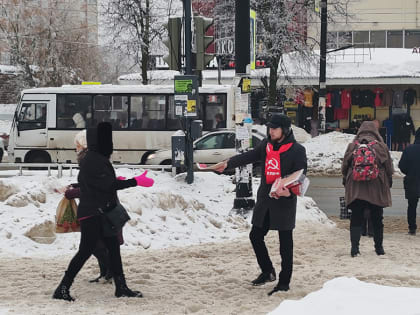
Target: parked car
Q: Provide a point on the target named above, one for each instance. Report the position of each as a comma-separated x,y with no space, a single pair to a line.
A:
209,149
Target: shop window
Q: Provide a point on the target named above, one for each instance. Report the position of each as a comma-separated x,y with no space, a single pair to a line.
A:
73,111
361,39
412,38
378,39
395,39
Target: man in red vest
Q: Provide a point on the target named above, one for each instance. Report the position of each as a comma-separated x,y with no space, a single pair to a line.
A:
280,155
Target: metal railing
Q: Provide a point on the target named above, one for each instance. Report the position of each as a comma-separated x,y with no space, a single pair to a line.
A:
71,166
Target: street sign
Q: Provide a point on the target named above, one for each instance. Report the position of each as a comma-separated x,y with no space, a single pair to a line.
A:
186,95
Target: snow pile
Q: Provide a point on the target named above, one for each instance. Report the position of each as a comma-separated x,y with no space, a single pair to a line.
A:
171,213
348,296
325,154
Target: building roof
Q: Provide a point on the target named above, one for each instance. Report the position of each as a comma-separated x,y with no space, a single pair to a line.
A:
354,66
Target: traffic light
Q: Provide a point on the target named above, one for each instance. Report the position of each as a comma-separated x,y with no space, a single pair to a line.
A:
173,42
202,41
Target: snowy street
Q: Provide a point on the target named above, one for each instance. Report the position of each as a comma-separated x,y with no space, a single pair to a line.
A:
209,278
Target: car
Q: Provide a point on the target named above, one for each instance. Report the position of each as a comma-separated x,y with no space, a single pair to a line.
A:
211,148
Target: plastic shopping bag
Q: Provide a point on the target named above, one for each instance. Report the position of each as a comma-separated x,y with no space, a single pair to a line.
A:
66,217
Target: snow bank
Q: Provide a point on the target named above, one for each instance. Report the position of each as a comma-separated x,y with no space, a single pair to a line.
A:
325,153
348,296
171,213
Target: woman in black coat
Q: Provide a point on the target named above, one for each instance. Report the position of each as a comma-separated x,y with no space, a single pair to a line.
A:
98,191
270,213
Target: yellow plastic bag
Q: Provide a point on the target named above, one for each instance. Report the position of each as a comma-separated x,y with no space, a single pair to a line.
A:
66,217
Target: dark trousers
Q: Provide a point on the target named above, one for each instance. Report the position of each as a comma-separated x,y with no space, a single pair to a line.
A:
412,213
376,215
257,235
91,233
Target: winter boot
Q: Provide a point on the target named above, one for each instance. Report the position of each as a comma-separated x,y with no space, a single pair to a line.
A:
121,289
63,290
355,232
265,277
101,254
378,237
279,287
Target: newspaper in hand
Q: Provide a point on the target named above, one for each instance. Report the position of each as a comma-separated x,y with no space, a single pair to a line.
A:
297,183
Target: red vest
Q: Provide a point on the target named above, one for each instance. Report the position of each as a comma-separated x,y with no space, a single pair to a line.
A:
272,162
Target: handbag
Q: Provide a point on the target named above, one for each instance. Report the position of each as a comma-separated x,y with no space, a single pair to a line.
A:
113,219
66,217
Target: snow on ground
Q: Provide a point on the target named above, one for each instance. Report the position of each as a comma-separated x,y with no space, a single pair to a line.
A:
349,296
325,153
214,278
171,213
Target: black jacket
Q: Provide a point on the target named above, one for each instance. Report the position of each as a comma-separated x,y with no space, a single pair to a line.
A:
282,211
410,166
98,184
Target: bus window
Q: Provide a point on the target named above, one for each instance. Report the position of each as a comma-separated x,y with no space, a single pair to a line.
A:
173,122
154,112
136,112
119,113
33,116
73,111
214,112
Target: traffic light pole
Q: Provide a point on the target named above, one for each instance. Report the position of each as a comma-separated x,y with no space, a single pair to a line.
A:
244,201
189,153
322,67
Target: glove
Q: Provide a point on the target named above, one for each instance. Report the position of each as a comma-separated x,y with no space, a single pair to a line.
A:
143,180
344,181
121,178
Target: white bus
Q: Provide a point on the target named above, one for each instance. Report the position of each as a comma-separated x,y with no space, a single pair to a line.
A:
143,119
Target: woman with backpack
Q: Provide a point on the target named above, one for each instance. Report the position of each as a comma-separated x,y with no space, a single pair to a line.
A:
367,176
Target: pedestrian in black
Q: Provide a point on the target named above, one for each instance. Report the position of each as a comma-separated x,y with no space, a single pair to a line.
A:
98,191
280,155
410,166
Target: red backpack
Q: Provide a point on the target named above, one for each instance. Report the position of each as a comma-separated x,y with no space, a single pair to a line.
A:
365,167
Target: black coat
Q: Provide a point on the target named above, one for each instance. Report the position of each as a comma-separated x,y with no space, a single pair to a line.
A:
282,211
97,181
410,166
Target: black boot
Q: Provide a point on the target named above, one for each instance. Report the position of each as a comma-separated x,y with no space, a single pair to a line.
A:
122,290
264,277
378,237
355,232
279,287
63,290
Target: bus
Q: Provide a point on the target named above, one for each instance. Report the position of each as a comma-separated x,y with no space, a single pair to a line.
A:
143,119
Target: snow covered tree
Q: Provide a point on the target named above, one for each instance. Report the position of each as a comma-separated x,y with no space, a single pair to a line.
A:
136,28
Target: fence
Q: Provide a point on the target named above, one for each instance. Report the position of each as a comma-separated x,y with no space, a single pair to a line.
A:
70,166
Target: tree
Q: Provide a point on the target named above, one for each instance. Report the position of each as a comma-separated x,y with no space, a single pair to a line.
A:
281,31
49,44
136,28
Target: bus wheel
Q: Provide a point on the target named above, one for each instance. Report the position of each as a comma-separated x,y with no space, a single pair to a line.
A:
38,157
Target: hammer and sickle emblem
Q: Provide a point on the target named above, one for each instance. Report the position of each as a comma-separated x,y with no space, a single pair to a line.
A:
273,164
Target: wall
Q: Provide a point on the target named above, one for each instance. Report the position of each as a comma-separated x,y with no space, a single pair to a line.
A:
10,86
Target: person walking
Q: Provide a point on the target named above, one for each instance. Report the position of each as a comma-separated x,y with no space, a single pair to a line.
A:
367,177
98,191
410,166
280,155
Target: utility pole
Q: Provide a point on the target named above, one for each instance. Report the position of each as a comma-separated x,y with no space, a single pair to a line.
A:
189,153
243,201
323,66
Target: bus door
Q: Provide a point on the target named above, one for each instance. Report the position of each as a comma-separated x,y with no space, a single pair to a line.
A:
31,123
